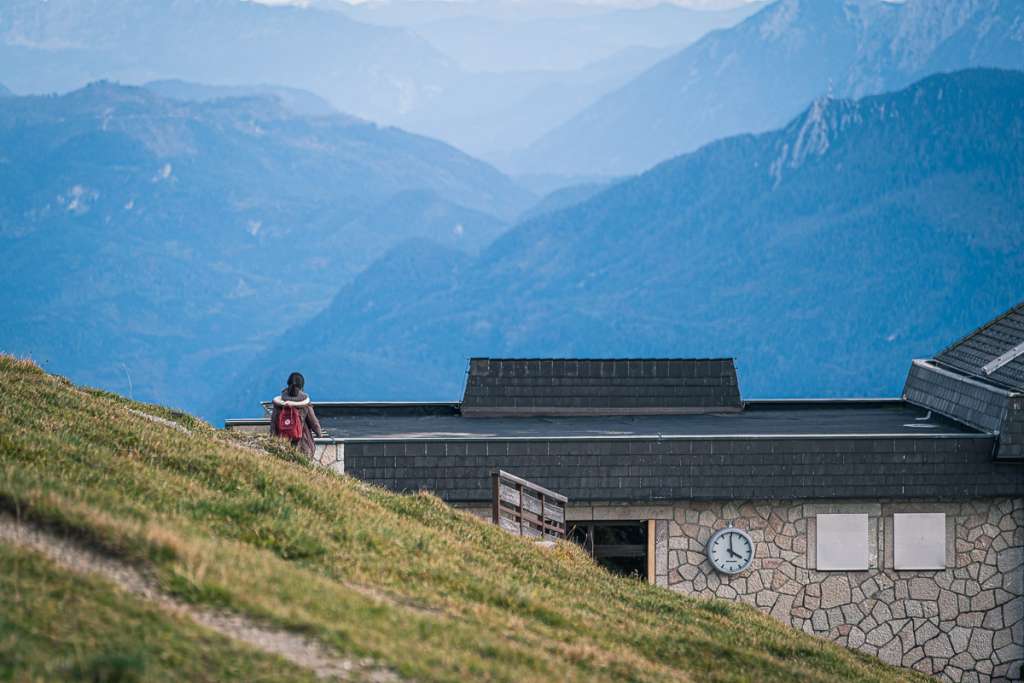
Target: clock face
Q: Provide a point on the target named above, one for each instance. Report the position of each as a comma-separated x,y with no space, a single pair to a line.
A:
730,550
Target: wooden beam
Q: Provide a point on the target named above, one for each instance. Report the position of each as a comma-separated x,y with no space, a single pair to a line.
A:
651,547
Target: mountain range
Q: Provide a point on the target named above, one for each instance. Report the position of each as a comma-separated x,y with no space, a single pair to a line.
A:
411,13
482,41
153,242
390,74
760,73
295,100
375,72
823,255
189,241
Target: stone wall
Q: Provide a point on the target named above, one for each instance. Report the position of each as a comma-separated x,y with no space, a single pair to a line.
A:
330,455
964,623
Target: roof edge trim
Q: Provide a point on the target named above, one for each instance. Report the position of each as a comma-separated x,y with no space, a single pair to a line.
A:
941,369
592,412
1002,360
672,437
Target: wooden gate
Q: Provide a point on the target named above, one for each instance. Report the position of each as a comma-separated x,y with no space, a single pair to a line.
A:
526,509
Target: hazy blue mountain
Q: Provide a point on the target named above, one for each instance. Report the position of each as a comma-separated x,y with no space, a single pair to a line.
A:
530,66
167,241
758,74
490,114
419,214
824,256
563,198
410,13
4,91
488,43
381,73
412,272
544,184
370,71
414,12
301,102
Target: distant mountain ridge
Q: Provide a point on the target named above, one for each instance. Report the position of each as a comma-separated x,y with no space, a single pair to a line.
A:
369,71
482,42
822,256
760,73
300,102
155,241
383,73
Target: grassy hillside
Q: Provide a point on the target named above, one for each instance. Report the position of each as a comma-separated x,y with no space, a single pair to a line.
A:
428,592
56,625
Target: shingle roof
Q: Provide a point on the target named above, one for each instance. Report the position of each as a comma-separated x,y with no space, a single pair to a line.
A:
602,386
979,380
986,344
638,470
950,393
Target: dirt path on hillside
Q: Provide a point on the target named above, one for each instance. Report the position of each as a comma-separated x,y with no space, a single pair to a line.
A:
160,420
299,650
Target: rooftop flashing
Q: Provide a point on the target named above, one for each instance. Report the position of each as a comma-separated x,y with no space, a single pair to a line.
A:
866,400
961,376
246,422
661,437
960,396
369,405
825,419
380,408
593,359
1002,360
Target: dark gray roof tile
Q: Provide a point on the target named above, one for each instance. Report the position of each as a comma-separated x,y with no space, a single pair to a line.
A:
971,354
566,386
953,466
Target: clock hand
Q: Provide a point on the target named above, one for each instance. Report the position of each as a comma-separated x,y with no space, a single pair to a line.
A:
731,551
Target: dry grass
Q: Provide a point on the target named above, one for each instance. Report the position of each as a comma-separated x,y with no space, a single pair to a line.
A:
56,625
430,592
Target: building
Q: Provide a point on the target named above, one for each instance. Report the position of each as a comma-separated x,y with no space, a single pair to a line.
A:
895,527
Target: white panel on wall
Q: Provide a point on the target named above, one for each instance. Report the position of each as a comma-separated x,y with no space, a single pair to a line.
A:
919,540
842,542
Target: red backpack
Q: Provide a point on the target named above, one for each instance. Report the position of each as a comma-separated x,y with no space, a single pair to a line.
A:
289,422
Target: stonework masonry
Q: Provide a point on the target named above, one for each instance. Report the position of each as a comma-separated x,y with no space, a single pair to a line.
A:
963,623
330,455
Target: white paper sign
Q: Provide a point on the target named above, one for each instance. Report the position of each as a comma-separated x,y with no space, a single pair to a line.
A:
842,542
919,540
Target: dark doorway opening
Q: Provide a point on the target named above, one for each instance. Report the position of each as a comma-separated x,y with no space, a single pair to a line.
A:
620,547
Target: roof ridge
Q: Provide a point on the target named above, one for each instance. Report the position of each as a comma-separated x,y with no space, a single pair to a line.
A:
999,318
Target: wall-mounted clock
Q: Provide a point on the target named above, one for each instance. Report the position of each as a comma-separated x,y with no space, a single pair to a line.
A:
730,550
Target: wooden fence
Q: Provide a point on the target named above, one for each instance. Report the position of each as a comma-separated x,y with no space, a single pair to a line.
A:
525,509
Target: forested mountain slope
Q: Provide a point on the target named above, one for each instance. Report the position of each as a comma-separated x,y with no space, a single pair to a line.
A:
757,75
824,256
155,244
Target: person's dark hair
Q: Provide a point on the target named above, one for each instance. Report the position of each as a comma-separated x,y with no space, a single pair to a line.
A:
295,383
